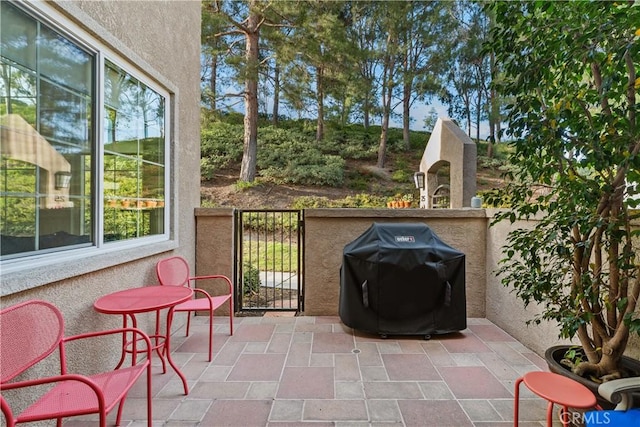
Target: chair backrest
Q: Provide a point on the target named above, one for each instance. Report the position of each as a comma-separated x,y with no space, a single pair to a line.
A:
173,271
29,332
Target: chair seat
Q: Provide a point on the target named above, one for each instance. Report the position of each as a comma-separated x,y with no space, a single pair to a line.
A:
174,271
76,398
202,303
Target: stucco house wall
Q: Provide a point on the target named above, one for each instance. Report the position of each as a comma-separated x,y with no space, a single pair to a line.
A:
162,39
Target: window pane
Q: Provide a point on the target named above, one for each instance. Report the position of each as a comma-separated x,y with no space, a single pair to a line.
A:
19,34
64,116
17,92
45,125
63,62
134,157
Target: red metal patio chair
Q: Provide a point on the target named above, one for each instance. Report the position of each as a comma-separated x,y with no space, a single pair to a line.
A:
29,333
174,271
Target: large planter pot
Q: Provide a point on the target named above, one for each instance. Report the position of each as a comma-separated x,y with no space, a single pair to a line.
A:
554,355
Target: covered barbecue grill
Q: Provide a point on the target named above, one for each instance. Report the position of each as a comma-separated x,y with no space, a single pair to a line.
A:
401,279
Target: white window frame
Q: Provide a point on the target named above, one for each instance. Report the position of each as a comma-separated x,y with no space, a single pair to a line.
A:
44,268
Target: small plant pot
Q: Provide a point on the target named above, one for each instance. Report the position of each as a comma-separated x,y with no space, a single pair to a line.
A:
151,203
126,203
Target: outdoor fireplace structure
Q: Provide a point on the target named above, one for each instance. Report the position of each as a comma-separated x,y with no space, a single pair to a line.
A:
401,279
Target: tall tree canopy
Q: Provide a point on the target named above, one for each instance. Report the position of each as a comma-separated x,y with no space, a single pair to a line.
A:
345,60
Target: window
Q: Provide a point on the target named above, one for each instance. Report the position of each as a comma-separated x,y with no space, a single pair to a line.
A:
75,173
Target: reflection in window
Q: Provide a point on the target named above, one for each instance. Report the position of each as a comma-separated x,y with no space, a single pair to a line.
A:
48,180
133,157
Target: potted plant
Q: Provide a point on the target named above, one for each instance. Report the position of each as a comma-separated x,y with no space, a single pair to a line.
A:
407,199
572,71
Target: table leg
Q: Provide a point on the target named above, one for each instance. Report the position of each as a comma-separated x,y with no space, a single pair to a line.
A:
550,414
516,402
159,348
167,350
566,417
124,343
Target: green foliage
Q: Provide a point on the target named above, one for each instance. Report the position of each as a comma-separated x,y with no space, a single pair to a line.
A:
401,175
250,280
221,144
358,181
279,221
358,201
571,69
274,256
311,202
244,185
291,157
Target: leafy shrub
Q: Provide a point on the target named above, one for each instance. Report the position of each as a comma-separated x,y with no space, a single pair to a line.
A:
401,175
262,221
360,201
490,163
220,145
310,202
245,185
363,200
250,279
359,182
292,157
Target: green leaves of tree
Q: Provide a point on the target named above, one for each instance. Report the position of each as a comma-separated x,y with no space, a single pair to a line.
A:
571,68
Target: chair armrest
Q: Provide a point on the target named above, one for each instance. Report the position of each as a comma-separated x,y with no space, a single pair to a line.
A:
215,276
202,292
619,391
9,418
135,331
55,379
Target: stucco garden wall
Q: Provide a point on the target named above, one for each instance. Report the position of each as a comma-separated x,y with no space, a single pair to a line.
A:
327,231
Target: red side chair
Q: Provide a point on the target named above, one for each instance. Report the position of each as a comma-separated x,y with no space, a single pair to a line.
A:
174,271
31,331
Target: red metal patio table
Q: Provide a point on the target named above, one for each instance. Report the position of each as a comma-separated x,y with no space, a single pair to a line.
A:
556,389
130,302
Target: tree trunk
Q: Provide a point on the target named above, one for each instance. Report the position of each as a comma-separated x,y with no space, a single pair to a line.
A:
250,148
478,115
382,147
493,105
320,98
213,81
406,99
387,91
276,94
366,107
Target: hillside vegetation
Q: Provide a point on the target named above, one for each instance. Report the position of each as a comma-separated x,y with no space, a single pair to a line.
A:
296,171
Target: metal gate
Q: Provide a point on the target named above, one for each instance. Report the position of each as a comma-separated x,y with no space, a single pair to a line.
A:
269,260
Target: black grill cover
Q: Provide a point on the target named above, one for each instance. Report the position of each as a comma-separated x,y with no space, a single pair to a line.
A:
400,278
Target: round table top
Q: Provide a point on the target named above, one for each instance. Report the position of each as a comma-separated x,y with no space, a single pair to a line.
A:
140,300
559,389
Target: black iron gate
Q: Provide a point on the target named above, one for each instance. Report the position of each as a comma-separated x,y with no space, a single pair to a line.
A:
269,260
